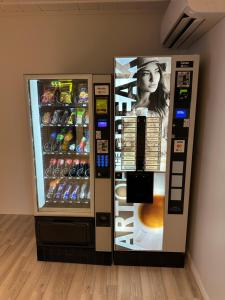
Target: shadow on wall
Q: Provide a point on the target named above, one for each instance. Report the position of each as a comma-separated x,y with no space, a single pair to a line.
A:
199,136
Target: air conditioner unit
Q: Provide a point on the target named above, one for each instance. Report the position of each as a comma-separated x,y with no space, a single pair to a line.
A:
187,20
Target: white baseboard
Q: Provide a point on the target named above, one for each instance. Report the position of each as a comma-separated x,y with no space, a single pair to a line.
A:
197,277
15,212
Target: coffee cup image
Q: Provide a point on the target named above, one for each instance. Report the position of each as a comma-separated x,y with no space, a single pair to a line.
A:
149,218
151,215
148,233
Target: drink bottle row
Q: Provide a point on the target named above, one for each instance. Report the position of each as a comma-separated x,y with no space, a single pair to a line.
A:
65,140
67,168
63,93
58,191
68,117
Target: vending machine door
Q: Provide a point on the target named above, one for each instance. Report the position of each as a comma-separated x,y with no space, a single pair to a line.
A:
62,126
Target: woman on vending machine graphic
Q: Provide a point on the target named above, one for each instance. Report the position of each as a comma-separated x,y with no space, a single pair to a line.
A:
152,94
152,100
149,92
144,84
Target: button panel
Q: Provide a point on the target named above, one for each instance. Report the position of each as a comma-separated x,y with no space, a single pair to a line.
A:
180,133
102,161
102,130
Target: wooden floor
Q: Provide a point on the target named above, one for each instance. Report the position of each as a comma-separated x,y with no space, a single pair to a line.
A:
23,277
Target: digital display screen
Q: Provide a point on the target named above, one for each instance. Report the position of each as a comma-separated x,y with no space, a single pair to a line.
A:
181,113
101,106
183,91
102,124
185,64
183,79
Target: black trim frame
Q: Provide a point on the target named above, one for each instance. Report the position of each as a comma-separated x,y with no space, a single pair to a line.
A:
155,259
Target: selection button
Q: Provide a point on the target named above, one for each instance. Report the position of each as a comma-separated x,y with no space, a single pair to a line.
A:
177,167
176,194
177,180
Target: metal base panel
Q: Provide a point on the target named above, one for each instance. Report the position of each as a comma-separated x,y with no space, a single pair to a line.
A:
70,254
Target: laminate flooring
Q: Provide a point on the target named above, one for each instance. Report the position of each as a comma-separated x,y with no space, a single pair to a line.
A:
23,277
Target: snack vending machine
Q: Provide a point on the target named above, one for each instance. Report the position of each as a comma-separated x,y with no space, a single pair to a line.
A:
71,212
154,116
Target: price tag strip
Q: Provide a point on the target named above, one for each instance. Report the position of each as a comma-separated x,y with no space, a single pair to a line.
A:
153,144
128,143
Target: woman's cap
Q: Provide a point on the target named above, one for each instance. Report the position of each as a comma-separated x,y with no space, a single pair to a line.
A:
141,62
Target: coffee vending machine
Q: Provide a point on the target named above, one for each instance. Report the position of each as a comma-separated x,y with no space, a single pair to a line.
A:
70,134
154,117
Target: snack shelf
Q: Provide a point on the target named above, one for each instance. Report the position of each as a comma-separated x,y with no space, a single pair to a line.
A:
68,204
65,177
67,153
59,125
58,105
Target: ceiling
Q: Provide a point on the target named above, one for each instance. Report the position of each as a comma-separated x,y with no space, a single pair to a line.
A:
78,6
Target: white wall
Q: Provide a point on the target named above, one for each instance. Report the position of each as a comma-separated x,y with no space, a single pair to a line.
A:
55,44
207,230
